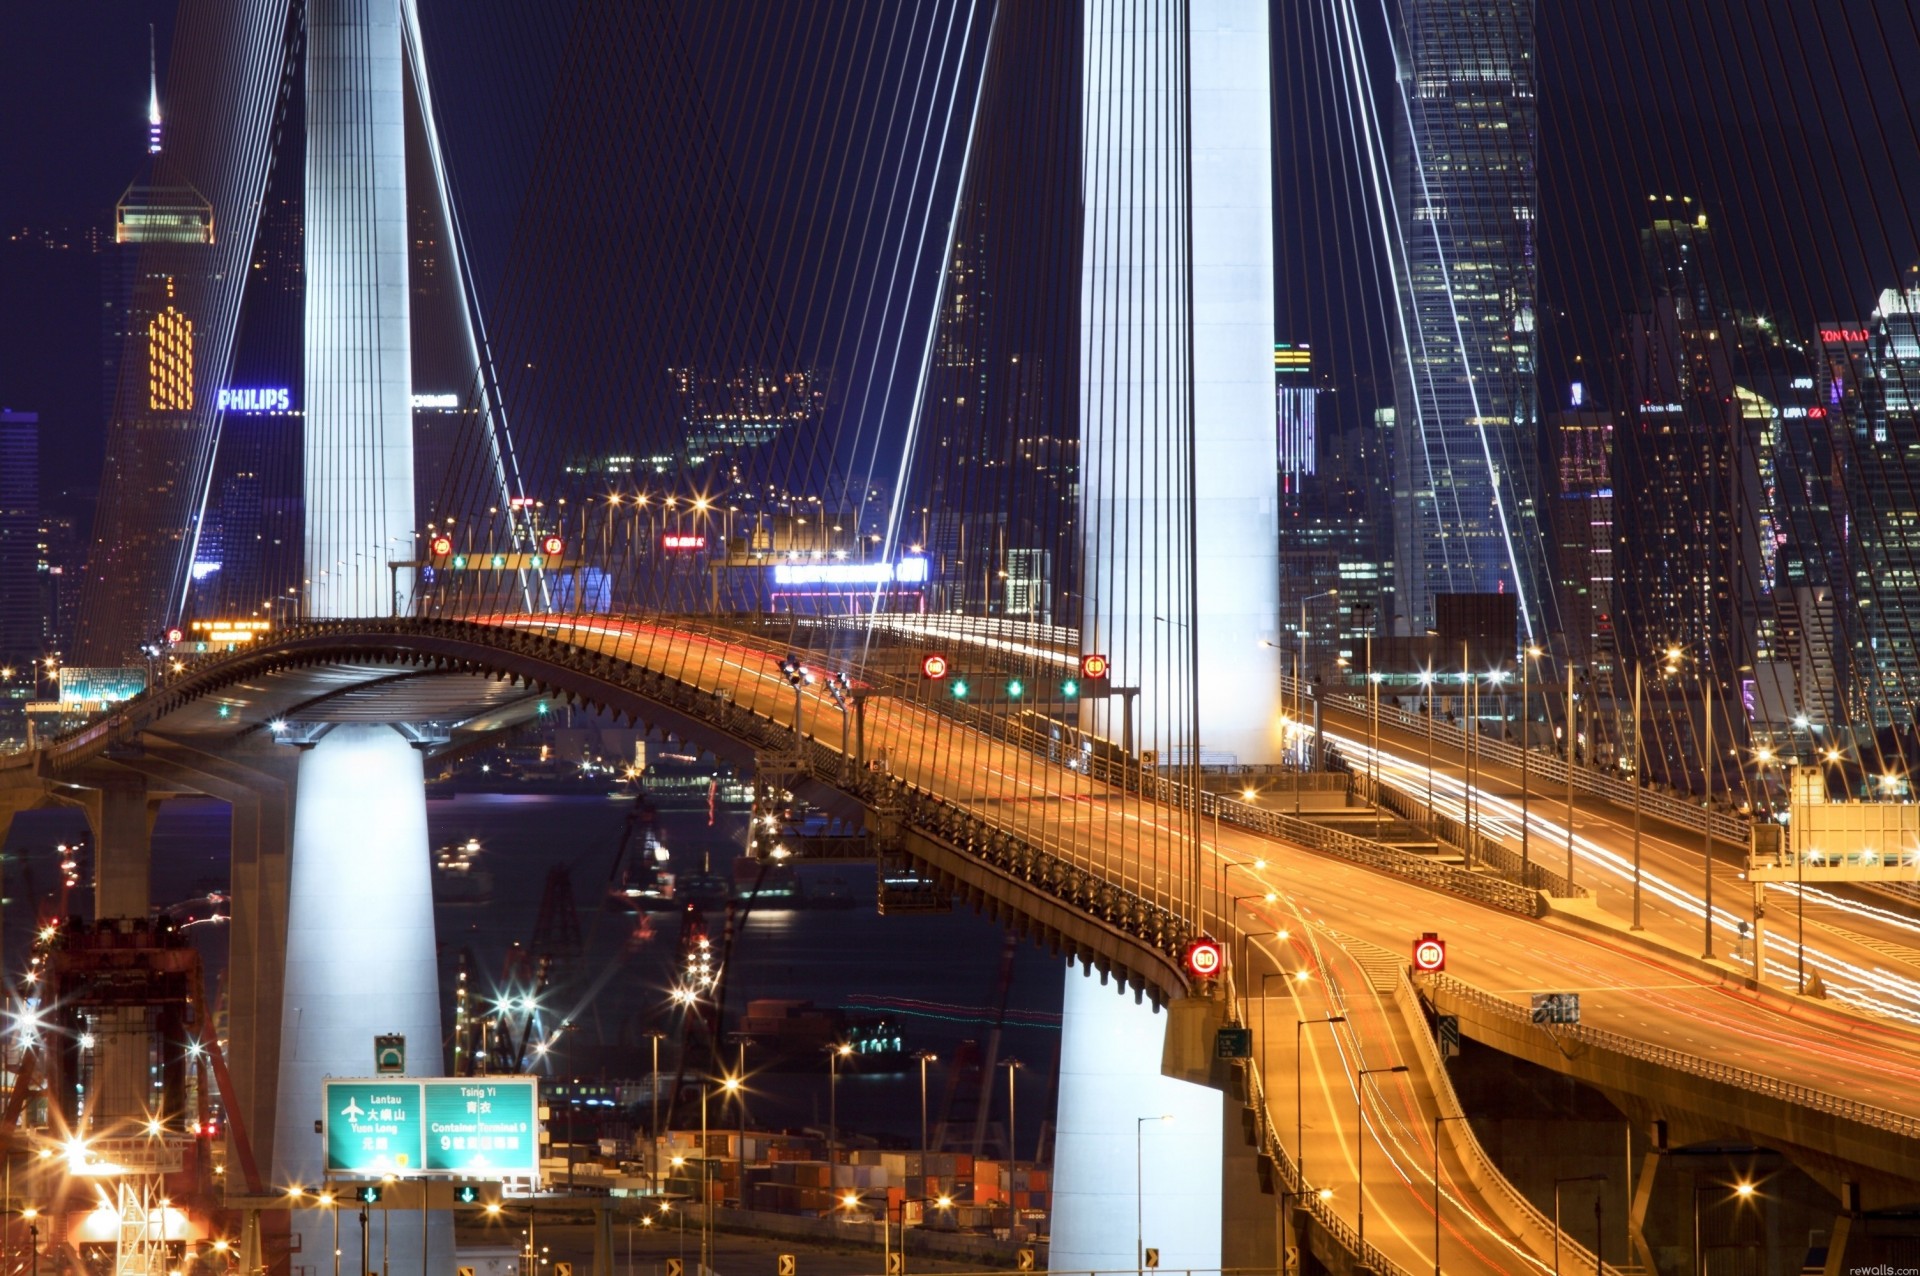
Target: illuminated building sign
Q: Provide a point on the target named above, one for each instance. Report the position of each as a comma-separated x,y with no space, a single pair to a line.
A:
682,541
228,633
908,571
1845,336
256,399
82,684
436,400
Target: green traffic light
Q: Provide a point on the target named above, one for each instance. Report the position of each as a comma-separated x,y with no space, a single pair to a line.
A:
1014,689
960,689
368,1194
1069,688
499,560
459,562
466,1194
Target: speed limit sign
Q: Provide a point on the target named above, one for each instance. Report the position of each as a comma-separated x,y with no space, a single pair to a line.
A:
1429,954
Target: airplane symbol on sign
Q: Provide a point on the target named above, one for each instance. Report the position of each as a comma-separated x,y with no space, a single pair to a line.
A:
353,1111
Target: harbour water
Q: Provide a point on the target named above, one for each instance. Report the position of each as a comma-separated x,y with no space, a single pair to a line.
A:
936,975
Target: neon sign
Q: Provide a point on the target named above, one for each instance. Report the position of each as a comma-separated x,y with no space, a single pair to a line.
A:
682,541
1845,336
256,399
908,571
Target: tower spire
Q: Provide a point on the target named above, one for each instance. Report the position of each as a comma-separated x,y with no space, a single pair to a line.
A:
153,95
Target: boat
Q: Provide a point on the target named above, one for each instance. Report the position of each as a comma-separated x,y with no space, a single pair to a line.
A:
458,875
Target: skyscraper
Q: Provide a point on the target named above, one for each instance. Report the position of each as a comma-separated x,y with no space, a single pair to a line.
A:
1582,439
1467,454
22,625
1884,456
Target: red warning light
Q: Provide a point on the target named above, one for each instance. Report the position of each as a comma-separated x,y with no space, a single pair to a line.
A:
441,545
1430,954
552,546
933,666
1094,666
1205,957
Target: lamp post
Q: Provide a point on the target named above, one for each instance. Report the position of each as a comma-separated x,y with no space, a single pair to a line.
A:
1426,684
886,1218
1742,1191
1706,814
1639,782
1598,1235
1139,1193
1570,747
835,1053
33,1241
1300,687
1360,1156
1528,655
1013,1127
653,1130
1467,724
925,1057
1373,734
1299,1088
1436,1185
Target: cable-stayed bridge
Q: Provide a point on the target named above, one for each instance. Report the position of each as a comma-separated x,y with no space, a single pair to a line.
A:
435,611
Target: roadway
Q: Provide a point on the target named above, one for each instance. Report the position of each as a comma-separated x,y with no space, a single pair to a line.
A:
1626,987
1865,949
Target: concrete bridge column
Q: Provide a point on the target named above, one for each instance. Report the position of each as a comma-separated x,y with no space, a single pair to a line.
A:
1122,1176
257,784
360,957
120,813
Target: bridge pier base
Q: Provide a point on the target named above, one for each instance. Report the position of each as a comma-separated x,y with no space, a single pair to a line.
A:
1122,1176
360,961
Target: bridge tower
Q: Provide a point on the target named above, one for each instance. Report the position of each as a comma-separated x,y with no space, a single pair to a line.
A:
360,954
1180,548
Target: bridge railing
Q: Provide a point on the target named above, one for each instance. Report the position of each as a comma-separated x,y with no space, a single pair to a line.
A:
1287,1172
1667,1057
1551,769
1532,874
1063,744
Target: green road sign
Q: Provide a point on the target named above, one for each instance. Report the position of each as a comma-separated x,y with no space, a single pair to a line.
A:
373,1127
482,1126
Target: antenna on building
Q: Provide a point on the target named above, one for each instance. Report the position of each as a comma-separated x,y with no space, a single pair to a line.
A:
153,95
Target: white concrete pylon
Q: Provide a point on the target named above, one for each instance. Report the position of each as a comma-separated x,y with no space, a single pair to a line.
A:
1111,1166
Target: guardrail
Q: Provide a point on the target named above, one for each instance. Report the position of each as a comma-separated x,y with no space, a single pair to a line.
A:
1069,746
1407,1001
1288,1173
1549,767
1752,1082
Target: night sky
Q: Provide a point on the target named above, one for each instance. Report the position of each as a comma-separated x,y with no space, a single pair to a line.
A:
1786,120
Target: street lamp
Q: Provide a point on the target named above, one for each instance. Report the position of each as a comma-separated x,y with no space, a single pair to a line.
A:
1742,1191
835,1053
1426,685
1139,1193
1461,1116
1360,1159
1528,655
1300,687
886,1218
33,1240
1299,1119
1599,1237
925,1057
1013,1126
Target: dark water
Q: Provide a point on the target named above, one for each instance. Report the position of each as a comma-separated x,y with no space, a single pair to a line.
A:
948,964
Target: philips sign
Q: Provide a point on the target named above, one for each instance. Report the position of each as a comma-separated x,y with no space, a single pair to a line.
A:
258,399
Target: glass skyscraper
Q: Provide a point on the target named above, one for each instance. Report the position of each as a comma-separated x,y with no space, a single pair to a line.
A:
1467,447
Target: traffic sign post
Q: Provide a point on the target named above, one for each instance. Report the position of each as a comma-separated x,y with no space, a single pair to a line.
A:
478,1127
1429,954
1556,1007
676,1267
1205,958
788,1265
1026,1259
390,1054
1446,1032
1152,1258
1233,1043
